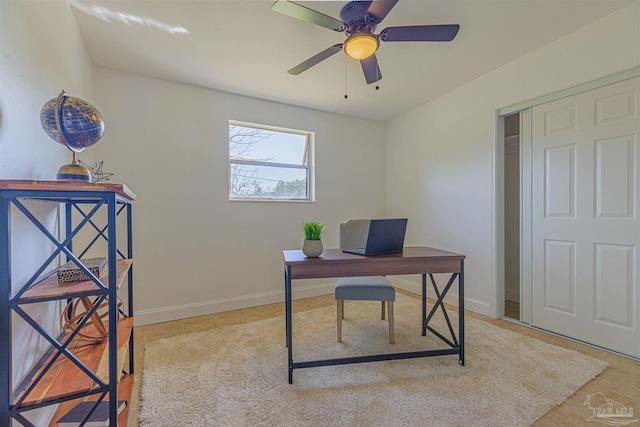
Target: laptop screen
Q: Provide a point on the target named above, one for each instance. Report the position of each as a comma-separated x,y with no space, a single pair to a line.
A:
386,236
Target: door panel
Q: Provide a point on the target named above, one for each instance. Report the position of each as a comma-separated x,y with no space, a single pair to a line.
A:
584,216
559,276
614,269
615,177
560,182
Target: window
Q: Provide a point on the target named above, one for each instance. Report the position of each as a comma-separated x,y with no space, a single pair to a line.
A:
268,163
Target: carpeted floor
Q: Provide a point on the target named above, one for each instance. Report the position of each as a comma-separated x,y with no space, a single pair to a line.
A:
237,376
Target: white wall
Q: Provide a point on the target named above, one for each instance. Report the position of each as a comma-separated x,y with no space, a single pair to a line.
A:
443,153
41,53
195,252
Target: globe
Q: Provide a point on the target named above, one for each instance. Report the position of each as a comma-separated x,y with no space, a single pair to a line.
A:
80,126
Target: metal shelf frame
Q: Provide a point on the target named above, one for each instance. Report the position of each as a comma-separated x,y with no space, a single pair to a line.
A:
12,398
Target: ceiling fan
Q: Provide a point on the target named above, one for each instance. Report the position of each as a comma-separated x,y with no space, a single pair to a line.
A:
358,21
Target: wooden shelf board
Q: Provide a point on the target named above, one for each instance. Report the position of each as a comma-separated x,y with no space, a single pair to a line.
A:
51,288
66,185
124,393
65,379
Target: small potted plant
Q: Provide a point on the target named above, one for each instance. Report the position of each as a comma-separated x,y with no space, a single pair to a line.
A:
312,246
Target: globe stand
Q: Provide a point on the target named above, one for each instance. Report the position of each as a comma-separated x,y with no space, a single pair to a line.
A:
74,171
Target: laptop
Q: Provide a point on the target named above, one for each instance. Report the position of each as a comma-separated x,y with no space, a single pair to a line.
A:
386,236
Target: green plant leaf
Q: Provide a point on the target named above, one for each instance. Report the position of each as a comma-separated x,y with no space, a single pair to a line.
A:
313,230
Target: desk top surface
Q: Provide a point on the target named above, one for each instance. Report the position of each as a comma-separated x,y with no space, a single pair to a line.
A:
335,263
337,255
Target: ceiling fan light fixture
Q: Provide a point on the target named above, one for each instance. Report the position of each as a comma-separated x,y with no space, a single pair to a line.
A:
361,46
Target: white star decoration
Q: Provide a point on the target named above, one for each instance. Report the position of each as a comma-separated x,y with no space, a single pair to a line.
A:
97,175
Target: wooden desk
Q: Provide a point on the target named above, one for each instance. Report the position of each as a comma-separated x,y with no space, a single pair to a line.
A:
413,260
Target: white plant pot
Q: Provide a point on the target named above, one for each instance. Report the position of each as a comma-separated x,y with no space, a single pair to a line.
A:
312,248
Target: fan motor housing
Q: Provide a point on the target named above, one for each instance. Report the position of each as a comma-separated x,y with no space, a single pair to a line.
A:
353,14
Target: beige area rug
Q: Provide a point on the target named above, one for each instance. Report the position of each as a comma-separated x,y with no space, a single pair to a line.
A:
237,376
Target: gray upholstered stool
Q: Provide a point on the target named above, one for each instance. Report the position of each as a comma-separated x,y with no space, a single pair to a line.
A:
367,288
353,234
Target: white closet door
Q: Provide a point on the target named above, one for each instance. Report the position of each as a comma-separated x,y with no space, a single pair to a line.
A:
584,220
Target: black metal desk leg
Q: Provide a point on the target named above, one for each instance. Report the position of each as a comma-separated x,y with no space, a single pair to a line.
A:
5,314
287,300
461,311
286,305
424,305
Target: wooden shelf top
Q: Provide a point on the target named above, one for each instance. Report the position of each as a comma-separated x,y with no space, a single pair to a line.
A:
66,185
51,288
65,379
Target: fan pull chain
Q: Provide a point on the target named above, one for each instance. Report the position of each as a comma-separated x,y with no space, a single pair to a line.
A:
378,71
345,77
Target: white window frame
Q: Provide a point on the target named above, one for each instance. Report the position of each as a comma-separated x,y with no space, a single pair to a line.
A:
309,167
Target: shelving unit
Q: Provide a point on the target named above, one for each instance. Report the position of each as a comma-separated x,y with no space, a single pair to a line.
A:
72,369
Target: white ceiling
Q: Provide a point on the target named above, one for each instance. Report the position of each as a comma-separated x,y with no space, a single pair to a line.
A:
243,47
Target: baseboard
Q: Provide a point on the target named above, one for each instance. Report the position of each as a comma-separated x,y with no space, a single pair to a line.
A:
183,311
480,307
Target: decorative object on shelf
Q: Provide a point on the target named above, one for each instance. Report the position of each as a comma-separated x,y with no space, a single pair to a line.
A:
97,175
96,328
70,272
100,416
312,246
76,124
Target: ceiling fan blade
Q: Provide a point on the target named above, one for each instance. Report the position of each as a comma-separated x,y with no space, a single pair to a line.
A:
378,10
303,13
371,69
420,33
304,66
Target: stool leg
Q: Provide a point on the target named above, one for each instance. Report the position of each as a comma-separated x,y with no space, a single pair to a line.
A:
382,310
340,311
392,335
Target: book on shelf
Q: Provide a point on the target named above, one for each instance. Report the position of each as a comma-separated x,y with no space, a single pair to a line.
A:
99,418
